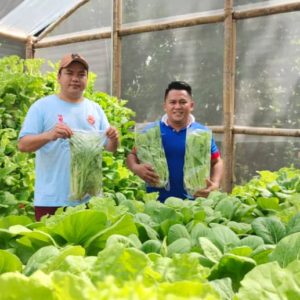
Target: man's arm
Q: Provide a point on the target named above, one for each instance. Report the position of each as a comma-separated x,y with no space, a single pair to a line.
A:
144,171
214,182
113,139
33,142
216,171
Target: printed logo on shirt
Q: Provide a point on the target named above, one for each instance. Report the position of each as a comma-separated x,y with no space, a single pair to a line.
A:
60,118
91,119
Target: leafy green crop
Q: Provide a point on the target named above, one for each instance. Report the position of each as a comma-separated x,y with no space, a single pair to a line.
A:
149,150
197,160
86,164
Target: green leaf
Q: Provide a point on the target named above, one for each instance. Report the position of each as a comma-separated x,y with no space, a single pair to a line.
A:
251,241
238,227
124,226
122,263
293,224
262,253
223,287
182,245
232,266
269,281
270,229
9,262
241,251
50,258
223,237
270,203
77,228
176,232
210,250
18,286
287,250
8,221
151,246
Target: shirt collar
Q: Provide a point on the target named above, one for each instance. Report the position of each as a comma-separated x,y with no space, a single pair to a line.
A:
164,119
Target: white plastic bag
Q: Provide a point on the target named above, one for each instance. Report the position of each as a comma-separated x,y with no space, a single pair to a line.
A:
86,164
150,150
197,159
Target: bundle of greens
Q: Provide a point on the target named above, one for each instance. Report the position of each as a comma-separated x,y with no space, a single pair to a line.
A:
197,159
86,164
149,150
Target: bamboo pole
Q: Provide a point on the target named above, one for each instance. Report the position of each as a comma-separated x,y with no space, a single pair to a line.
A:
163,24
61,19
116,48
248,130
266,131
228,96
216,128
168,23
29,48
266,10
90,35
13,36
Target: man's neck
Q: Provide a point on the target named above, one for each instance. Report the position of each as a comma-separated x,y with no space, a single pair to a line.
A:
178,126
69,98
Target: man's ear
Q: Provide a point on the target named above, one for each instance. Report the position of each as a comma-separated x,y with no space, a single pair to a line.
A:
164,105
192,105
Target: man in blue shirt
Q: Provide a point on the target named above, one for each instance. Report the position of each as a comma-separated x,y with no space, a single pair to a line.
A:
178,106
50,121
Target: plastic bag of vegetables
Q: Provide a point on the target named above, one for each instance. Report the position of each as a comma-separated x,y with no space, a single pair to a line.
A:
149,150
86,164
197,159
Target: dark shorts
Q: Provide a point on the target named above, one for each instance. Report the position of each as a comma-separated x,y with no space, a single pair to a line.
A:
44,210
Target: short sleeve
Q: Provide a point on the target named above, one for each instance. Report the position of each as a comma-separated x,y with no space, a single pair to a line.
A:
215,153
33,123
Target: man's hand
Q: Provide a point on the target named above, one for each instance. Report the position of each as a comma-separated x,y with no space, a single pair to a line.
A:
210,186
112,134
146,172
33,142
113,139
60,131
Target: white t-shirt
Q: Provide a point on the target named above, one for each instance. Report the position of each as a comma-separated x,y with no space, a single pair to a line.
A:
52,162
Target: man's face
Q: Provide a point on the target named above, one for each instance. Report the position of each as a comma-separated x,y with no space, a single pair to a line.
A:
73,80
178,106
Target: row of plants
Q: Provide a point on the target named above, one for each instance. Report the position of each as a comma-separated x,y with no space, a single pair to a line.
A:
222,247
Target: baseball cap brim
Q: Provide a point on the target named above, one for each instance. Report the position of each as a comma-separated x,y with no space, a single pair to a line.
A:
69,58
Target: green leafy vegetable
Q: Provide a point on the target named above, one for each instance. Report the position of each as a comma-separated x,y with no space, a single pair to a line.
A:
149,150
86,164
197,160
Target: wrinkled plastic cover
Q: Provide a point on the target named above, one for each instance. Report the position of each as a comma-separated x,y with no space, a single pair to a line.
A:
31,16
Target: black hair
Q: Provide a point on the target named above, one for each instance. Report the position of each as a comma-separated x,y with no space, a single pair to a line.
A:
178,85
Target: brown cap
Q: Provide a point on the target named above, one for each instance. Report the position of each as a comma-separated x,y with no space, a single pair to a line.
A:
71,57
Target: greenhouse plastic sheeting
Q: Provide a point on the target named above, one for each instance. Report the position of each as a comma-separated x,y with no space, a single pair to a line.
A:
7,6
31,16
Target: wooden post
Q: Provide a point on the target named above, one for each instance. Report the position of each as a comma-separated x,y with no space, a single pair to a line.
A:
29,53
267,10
116,45
228,95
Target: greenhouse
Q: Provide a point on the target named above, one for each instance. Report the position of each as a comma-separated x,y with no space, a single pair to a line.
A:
242,60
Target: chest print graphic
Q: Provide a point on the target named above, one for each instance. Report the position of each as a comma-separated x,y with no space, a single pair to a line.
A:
60,118
91,119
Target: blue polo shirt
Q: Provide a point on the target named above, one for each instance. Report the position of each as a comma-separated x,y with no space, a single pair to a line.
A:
174,146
